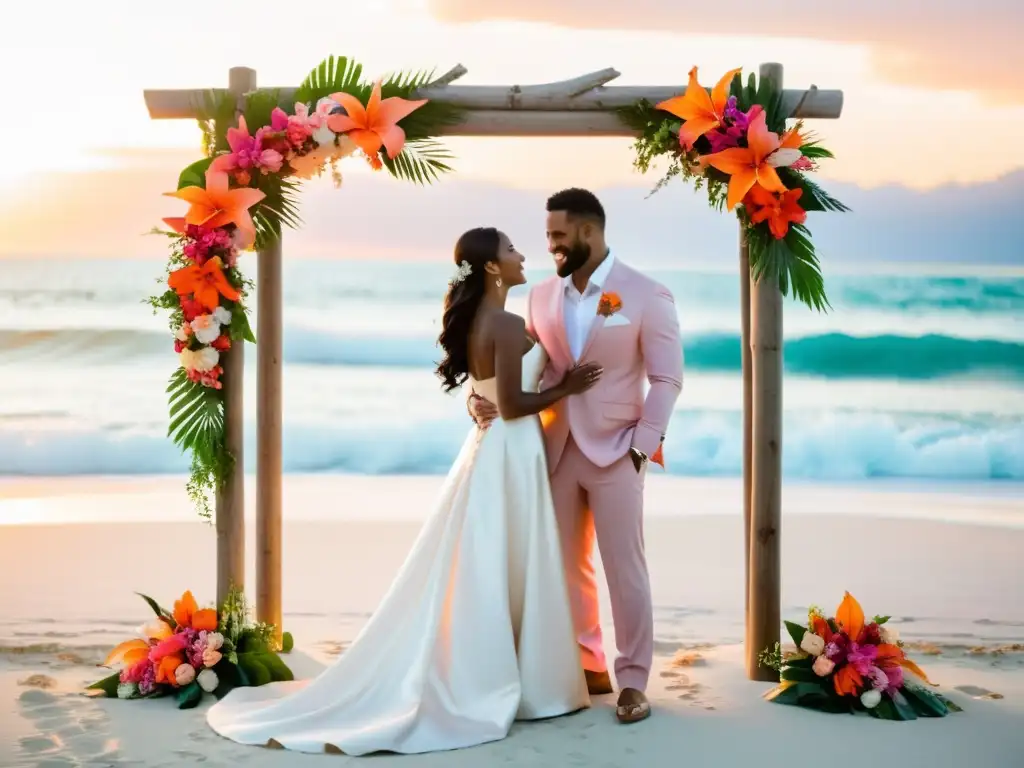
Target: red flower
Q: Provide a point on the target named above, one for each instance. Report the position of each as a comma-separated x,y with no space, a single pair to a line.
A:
221,343
779,210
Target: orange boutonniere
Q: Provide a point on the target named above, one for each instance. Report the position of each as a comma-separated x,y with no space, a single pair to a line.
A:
609,304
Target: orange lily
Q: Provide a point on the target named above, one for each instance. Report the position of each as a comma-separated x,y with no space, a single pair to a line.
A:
847,680
157,630
205,618
218,205
699,111
127,653
755,163
375,125
850,616
184,608
165,669
888,655
777,210
207,283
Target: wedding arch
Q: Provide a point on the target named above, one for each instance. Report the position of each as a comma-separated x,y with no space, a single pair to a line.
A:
260,143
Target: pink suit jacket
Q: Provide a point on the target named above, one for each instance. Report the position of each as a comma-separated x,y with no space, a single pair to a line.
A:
614,414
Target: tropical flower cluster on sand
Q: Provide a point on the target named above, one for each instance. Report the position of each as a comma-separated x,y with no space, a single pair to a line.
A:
733,140
190,651
848,664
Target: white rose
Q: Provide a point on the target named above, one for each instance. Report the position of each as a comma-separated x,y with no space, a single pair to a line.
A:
888,635
871,698
214,641
222,316
208,680
205,328
812,644
182,333
205,359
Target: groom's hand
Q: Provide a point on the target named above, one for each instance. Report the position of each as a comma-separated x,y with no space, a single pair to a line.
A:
483,411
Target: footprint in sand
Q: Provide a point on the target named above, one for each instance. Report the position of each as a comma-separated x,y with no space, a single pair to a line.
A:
685,689
69,727
977,692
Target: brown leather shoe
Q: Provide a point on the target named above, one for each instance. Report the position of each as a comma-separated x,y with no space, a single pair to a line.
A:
632,706
598,683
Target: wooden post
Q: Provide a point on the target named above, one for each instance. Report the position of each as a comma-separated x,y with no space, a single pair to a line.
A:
268,437
747,404
230,514
766,470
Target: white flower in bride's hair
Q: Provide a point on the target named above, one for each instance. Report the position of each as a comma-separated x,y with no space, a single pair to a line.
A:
462,271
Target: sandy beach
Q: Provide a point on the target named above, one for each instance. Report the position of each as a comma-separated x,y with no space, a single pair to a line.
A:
946,564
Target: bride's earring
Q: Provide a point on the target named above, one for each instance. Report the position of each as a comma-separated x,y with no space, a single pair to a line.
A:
498,282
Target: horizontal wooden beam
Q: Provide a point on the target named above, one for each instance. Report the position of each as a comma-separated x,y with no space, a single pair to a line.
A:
498,122
584,94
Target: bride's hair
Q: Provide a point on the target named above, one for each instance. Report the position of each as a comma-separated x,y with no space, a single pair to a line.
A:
473,250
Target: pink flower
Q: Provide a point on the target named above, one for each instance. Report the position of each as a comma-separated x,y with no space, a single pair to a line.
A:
862,657
173,644
136,672
878,678
802,164
247,152
211,657
823,666
895,675
184,674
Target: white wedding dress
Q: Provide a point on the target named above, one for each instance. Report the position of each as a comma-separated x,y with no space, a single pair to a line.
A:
475,632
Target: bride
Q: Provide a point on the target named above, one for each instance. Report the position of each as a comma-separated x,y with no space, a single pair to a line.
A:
476,630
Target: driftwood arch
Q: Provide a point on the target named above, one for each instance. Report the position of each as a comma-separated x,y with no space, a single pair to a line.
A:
581,106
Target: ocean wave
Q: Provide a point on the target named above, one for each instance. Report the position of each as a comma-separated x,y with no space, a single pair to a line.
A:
832,355
830,445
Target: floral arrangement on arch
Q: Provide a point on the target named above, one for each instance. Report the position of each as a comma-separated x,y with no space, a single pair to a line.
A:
239,197
734,142
191,651
846,664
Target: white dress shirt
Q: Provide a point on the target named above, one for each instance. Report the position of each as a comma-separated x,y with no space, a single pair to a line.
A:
581,308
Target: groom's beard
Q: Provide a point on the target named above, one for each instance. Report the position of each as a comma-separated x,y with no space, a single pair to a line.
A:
575,257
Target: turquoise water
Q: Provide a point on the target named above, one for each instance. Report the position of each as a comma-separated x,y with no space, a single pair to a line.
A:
911,376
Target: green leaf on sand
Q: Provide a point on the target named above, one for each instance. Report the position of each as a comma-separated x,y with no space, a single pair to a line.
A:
190,695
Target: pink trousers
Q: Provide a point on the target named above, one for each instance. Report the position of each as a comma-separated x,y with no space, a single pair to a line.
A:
607,502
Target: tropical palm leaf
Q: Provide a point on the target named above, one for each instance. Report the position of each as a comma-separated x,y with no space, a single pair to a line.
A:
216,115
197,418
258,108
792,261
279,207
421,161
333,74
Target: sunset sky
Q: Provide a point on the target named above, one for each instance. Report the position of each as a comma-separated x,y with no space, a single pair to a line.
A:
83,161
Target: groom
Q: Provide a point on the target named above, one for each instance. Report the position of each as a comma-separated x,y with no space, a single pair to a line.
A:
600,442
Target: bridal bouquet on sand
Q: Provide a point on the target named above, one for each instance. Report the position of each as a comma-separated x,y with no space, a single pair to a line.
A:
191,651
846,664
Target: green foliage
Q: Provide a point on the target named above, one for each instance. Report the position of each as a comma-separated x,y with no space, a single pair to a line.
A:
216,115
189,696
105,687
796,631
421,161
334,74
791,261
160,611
771,658
195,174
197,425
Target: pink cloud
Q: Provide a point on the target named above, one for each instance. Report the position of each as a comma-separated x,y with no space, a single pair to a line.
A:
944,44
